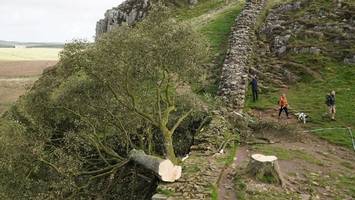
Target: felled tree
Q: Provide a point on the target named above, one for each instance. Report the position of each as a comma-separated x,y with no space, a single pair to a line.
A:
143,66
83,117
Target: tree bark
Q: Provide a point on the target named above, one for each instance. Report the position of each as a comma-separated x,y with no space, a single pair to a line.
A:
265,169
168,144
165,170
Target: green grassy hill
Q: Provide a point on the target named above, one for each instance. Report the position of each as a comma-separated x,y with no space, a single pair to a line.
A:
317,73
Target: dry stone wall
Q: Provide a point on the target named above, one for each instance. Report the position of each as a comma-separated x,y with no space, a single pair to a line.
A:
234,80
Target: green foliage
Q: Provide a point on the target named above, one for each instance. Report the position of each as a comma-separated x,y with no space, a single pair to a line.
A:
70,136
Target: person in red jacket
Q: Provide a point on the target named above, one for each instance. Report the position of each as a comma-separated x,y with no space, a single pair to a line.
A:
283,105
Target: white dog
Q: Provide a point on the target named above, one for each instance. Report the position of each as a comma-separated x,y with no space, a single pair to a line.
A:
302,117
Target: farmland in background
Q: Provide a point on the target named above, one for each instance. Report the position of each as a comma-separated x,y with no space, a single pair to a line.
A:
19,68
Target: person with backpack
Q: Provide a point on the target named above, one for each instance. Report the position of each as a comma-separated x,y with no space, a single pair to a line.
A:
330,101
254,88
283,105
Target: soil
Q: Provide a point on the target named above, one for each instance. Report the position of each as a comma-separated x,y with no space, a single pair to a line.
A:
226,183
13,69
16,77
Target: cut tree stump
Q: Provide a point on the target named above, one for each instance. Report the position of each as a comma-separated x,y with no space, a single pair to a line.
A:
164,169
265,169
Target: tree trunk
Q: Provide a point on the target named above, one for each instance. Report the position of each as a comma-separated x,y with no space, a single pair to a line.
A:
265,169
169,148
164,169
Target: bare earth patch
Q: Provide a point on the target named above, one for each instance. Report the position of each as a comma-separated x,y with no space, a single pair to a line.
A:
11,69
16,77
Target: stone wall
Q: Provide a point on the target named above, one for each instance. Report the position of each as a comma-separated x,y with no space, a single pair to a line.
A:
128,12
234,80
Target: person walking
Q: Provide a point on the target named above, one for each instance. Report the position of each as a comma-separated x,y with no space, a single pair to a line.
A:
254,88
331,104
283,105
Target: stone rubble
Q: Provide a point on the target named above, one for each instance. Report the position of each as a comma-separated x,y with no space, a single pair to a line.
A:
234,80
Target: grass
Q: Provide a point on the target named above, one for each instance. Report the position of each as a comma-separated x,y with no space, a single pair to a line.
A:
287,154
218,29
214,192
229,159
201,8
335,76
340,185
19,54
242,191
269,4
214,20
319,74
240,187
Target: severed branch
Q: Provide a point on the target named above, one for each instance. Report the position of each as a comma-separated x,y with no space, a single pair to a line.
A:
165,170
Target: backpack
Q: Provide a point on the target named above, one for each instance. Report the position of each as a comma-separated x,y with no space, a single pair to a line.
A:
328,100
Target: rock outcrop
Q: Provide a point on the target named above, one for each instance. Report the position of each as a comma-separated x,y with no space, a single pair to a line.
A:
128,12
303,28
234,80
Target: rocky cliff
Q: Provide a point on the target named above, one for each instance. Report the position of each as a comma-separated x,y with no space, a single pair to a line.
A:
308,28
128,12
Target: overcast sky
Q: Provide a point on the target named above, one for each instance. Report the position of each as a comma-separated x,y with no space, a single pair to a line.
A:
51,20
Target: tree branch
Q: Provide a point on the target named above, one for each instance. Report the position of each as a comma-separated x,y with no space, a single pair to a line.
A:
180,120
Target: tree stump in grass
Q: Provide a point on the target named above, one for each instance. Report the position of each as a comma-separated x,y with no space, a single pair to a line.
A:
265,169
165,170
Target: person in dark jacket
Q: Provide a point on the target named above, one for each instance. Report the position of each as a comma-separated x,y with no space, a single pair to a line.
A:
331,104
254,88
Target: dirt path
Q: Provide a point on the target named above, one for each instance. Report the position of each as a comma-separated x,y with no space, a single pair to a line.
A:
226,189
311,167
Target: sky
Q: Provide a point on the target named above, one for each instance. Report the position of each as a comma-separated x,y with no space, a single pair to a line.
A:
51,20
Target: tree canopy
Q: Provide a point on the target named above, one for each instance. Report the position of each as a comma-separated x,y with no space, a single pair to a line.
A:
70,136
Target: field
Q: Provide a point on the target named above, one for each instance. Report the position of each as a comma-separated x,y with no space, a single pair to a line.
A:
19,68
17,54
